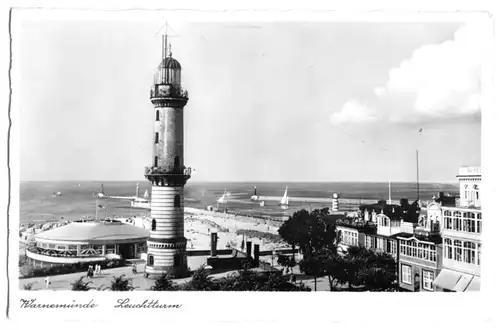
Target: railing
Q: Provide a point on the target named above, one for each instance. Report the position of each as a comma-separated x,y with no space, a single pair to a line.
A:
168,91
158,170
56,253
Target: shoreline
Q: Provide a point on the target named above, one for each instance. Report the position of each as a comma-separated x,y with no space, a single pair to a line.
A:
198,224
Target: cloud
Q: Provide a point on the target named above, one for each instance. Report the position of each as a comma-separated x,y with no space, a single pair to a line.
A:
353,111
438,82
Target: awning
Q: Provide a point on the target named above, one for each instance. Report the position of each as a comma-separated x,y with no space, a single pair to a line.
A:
447,279
463,283
475,284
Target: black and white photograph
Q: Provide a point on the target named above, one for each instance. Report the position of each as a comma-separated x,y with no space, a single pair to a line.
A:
159,151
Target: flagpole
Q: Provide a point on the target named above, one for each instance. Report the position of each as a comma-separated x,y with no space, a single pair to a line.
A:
418,190
96,211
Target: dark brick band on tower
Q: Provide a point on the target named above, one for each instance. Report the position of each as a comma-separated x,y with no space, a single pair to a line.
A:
167,174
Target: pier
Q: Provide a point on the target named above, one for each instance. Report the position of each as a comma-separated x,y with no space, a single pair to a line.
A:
342,201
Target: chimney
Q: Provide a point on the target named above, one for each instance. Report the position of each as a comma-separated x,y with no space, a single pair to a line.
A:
256,253
249,249
213,244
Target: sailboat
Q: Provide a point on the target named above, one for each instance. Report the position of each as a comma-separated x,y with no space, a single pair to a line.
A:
222,199
262,203
284,199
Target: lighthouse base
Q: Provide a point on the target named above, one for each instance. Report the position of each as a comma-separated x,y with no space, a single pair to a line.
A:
166,259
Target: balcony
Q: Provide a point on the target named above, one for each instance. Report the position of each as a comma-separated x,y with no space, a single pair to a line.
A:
168,91
163,176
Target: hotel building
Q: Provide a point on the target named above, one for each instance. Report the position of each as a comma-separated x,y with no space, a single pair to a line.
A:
461,228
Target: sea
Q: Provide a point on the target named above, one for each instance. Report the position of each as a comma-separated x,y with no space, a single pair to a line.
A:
77,199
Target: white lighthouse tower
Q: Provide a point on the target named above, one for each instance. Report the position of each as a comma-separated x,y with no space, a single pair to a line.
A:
167,173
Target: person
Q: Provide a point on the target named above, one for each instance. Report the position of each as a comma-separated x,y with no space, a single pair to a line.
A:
97,270
47,282
134,268
90,271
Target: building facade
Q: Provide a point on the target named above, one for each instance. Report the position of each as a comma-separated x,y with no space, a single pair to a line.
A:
461,229
420,260
84,242
167,174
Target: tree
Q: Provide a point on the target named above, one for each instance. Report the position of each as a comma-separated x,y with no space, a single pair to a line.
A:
311,231
164,283
287,262
379,274
312,265
121,283
80,285
201,281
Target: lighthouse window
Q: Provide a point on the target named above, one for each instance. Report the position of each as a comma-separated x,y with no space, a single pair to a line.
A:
176,162
156,161
157,115
156,137
153,225
177,201
151,260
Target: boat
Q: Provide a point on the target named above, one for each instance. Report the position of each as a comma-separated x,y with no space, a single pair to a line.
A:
284,199
141,203
222,199
57,194
262,203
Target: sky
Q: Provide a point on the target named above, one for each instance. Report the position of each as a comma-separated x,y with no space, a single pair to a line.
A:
282,101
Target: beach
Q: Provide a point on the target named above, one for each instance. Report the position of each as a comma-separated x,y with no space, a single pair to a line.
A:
198,224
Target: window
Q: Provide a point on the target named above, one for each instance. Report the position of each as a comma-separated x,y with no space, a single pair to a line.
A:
368,242
457,221
479,253
406,274
156,161
110,249
350,238
177,201
448,220
469,252
153,225
424,251
381,244
457,250
157,115
151,260
157,136
392,247
177,163
427,279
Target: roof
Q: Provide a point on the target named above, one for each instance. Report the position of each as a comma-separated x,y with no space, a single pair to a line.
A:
169,63
95,231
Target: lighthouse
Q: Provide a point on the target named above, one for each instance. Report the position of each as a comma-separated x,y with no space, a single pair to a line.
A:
167,173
